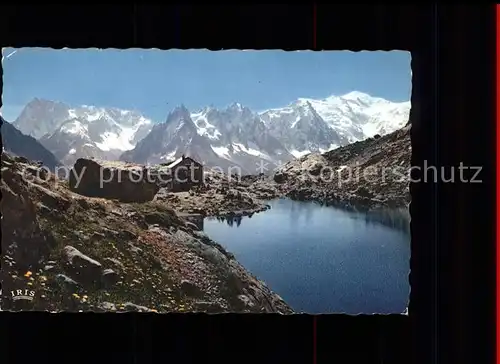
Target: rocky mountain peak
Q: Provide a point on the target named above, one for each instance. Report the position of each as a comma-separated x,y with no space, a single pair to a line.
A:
179,113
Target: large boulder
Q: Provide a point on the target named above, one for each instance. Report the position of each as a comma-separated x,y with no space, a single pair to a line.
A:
112,180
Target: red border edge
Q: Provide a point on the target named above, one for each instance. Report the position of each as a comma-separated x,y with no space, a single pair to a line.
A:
498,183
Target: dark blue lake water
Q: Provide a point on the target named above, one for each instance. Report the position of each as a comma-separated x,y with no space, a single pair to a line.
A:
323,259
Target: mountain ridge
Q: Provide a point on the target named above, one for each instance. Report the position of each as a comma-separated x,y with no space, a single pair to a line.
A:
235,135
17,143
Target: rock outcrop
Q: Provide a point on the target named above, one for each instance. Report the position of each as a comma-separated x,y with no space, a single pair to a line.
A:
368,174
23,241
112,180
221,195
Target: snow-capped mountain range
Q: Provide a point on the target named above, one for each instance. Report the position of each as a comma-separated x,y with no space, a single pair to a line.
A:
234,136
70,133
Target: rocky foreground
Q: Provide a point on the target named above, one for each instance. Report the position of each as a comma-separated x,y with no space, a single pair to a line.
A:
80,253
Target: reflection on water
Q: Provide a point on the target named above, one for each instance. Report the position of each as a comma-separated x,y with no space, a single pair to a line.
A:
230,220
324,259
398,219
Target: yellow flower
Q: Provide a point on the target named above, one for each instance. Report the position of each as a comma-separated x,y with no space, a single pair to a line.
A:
28,274
75,295
29,283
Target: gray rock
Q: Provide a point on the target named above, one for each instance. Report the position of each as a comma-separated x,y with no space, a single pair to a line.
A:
192,226
316,169
109,278
107,306
66,281
132,307
128,235
110,233
44,209
98,236
37,172
115,262
233,194
80,264
190,289
246,300
208,307
49,198
134,249
81,235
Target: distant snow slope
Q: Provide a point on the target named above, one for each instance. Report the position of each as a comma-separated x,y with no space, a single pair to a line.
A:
83,131
352,117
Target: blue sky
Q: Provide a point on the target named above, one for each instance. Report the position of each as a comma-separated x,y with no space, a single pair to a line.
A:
155,81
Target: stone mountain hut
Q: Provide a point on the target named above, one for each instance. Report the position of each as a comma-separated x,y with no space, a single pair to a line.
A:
184,174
